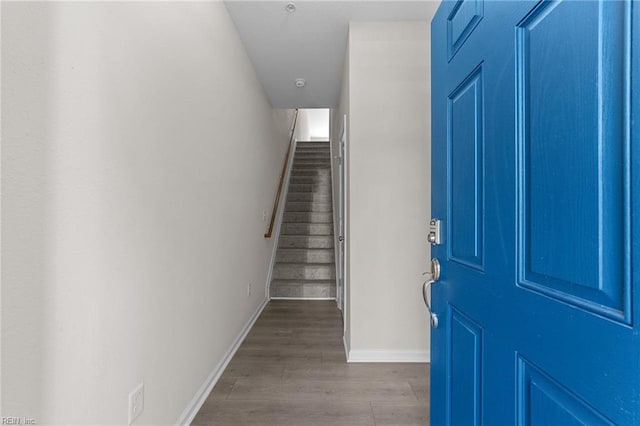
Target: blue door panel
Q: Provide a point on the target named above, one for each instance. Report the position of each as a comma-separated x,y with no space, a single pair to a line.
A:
465,147
543,402
572,154
461,22
465,371
560,143
536,177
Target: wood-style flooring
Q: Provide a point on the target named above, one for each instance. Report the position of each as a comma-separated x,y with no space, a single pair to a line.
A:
291,370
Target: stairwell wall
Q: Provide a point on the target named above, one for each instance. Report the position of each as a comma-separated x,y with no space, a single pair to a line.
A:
138,154
388,104
302,132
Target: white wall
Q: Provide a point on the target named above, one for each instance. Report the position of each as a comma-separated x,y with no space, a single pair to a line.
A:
318,124
132,191
313,125
302,131
389,188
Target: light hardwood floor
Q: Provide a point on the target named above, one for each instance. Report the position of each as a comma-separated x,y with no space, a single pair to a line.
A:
291,370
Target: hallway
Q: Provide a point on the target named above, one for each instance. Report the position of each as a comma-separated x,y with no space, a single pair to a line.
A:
291,370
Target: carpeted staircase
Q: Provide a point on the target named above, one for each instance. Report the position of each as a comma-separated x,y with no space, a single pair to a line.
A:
304,265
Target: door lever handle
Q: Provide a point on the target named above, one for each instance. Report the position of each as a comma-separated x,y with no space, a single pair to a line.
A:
432,277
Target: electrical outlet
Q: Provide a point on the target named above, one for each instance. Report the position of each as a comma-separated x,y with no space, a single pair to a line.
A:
264,215
136,403
248,289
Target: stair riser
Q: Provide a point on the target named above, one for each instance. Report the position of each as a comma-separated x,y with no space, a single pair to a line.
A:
310,188
314,161
307,217
324,155
320,170
303,160
313,156
311,172
319,192
305,206
290,241
309,196
326,180
304,144
304,272
313,165
308,256
306,229
299,160
307,291
316,151
324,171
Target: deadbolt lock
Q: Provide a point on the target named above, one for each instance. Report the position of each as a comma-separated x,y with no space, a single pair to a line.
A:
435,232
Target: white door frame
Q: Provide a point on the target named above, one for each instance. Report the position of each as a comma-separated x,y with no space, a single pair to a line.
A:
342,222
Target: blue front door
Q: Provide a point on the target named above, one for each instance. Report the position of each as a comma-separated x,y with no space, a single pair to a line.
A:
536,179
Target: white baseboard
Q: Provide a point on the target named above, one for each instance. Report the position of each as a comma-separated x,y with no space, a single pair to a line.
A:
355,355
346,347
201,395
303,298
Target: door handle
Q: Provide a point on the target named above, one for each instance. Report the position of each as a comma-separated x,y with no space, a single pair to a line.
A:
341,238
432,277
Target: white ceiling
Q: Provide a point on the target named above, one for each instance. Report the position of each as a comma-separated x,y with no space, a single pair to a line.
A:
309,43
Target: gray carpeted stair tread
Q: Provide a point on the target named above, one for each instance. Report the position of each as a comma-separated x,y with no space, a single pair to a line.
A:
293,255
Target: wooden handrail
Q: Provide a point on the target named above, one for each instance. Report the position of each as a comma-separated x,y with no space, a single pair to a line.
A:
284,173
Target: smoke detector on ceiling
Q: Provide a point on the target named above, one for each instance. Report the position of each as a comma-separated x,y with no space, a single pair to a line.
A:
301,82
290,7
